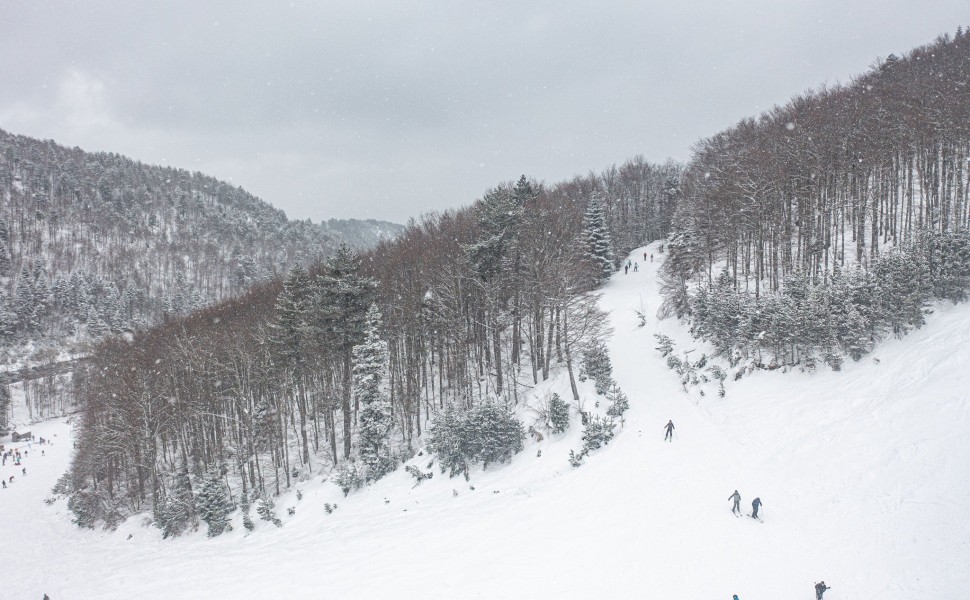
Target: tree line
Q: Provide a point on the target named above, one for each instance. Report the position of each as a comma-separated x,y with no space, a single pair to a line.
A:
815,198
340,369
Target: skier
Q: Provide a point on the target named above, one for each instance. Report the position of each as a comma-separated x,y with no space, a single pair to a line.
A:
626,269
4,482
735,597
636,267
644,257
24,470
737,502
755,505
670,431
820,588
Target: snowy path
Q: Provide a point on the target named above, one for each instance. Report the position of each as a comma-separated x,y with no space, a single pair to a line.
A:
863,476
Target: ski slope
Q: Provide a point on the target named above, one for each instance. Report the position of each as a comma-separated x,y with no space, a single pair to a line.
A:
863,475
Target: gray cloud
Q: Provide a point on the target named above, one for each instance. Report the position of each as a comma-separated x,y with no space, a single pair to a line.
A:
388,109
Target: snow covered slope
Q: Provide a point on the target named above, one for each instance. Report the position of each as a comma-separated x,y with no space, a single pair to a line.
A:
863,475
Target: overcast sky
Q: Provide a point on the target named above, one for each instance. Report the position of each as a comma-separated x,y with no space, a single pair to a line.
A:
390,109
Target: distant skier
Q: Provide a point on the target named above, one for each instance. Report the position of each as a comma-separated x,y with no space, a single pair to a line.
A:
636,267
755,505
737,502
670,431
24,470
820,588
626,269
644,257
735,597
651,258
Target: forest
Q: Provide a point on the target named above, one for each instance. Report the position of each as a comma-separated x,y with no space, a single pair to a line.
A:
458,315
96,243
809,233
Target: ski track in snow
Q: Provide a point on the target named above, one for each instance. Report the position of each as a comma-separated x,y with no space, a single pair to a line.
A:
863,475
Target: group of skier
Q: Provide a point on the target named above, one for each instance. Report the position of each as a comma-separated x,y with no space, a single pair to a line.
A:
736,509
820,587
17,456
630,264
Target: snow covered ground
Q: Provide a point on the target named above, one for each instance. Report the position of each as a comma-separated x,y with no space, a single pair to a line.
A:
863,475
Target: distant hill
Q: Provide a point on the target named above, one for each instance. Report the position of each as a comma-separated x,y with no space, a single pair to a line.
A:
362,233
98,242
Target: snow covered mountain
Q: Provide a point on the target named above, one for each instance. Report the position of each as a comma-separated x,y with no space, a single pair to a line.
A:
861,472
97,242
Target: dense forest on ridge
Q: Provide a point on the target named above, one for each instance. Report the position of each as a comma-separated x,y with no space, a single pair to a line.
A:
474,305
808,233
94,243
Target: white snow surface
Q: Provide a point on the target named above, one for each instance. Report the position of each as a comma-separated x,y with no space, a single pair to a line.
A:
863,474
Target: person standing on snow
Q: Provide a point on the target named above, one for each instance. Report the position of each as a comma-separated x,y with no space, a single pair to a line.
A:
820,588
670,431
737,502
755,505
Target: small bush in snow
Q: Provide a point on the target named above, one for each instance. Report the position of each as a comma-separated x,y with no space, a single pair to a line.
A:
265,511
665,344
487,433
598,433
597,365
418,474
619,403
349,477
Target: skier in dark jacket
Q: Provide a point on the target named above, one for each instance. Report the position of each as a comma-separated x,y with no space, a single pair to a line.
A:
737,502
820,588
670,431
755,505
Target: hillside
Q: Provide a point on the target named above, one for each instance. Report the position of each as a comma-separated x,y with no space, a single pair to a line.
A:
97,242
861,473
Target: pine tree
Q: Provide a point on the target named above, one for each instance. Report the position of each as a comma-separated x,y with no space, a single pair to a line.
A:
599,245
6,264
4,405
214,505
597,365
178,509
376,422
95,325
619,403
344,297
558,414
494,434
8,319
264,508
245,505
25,306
